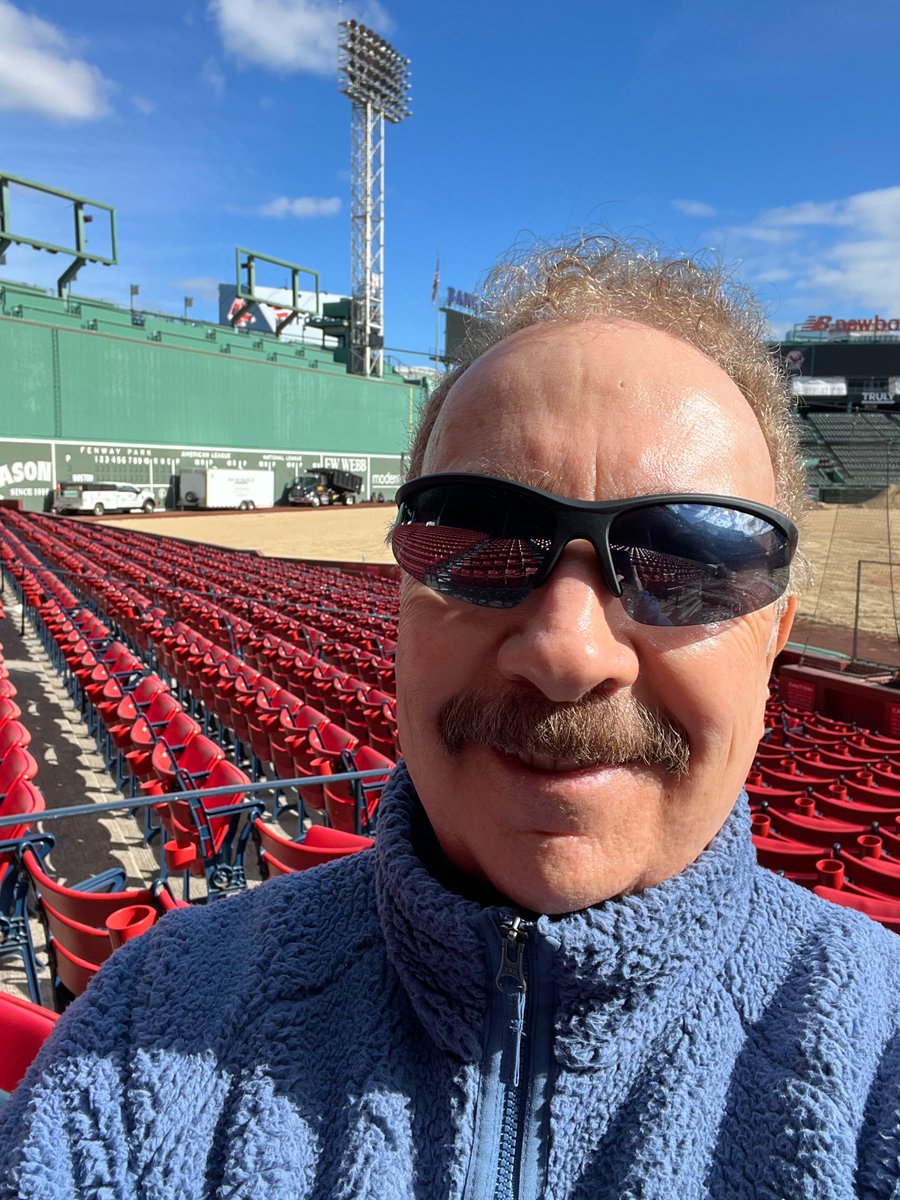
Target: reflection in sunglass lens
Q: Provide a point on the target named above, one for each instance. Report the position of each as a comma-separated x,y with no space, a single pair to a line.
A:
692,564
678,562
475,545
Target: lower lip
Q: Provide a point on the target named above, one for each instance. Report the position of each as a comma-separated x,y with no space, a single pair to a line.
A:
593,771
551,805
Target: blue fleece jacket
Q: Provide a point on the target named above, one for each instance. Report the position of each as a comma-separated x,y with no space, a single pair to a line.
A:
360,1031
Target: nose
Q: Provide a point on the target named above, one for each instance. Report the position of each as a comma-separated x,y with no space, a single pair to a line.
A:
571,635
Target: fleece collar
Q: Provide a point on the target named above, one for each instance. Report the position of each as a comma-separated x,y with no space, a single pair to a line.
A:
611,964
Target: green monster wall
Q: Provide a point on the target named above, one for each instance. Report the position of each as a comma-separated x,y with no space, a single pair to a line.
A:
90,390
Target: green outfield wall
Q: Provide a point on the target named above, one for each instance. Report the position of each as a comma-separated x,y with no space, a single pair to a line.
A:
89,391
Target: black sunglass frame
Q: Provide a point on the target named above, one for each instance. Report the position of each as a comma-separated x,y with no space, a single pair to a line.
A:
588,520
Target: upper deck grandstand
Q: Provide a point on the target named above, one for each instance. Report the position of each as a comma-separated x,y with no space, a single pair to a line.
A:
847,385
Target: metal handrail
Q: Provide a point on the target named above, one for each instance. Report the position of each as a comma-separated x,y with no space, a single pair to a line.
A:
138,802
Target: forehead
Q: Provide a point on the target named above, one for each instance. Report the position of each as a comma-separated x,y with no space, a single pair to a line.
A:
602,408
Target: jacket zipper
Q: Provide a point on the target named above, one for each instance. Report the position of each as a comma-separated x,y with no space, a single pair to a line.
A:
511,982
511,1126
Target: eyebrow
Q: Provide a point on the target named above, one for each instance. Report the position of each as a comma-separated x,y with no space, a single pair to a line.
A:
547,481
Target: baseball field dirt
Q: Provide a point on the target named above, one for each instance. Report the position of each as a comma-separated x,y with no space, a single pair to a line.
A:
341,534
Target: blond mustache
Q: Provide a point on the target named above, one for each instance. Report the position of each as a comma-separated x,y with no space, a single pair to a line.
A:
612,730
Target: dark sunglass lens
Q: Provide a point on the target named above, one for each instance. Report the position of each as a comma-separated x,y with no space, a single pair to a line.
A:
473,542
693,564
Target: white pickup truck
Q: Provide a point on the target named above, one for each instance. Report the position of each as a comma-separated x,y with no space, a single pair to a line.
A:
99,498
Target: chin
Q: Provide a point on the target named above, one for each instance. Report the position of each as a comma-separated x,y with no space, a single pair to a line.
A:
555,898
555,905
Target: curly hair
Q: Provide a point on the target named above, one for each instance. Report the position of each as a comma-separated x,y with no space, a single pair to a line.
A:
697,302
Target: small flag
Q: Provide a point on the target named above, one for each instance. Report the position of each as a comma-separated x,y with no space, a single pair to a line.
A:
436,282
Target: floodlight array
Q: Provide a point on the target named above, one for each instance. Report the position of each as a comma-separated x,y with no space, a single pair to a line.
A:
372,72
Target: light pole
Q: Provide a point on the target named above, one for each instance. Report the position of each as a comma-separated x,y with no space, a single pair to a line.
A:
375,77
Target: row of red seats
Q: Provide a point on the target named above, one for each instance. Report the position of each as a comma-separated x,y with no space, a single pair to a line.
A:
116,691
245,621
147,751
74,919
18,797
825,805
281,730
355,604
79,921
374,671
229,689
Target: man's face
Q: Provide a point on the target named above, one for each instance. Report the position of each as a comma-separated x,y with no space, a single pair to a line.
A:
591,410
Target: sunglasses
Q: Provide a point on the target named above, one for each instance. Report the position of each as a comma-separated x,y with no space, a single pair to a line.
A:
681,559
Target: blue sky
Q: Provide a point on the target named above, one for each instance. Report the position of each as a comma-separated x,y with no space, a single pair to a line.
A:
763,132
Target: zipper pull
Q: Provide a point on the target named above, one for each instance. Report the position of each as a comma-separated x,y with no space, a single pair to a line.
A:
510,980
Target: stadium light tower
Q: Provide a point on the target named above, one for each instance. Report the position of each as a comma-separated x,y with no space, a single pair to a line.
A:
376,80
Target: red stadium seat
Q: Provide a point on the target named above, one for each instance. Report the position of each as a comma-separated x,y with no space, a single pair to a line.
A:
9,710
13,733
789,857
23,1029
351,805
75,918
188,765
319,845
286,735
209,847
886,912
878,875
16,764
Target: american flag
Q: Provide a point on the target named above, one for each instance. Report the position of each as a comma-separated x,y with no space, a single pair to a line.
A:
436,282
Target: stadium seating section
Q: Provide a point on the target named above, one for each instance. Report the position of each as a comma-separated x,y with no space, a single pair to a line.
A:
851,450
194,669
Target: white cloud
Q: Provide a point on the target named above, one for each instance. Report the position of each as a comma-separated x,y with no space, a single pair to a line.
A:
290,35
772,235
807,212
827,253
204,286
302,206
772,275
694,208
41,73
143,105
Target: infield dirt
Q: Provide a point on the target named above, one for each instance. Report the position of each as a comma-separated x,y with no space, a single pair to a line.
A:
353,534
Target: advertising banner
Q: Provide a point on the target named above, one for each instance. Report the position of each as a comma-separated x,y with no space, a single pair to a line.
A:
30,471
806,386
237,313
855,360
26,472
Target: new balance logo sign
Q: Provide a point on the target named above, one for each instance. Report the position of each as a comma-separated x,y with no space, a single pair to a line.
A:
829,324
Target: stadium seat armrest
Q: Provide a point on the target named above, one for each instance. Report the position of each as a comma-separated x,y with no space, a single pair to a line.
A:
40,844
112,880
165,897
17,844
